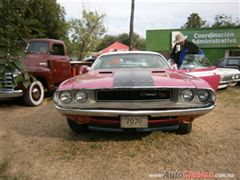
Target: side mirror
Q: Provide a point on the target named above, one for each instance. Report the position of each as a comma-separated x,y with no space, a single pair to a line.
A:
51,51
83,69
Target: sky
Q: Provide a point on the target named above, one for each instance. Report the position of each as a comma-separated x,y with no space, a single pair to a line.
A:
150,14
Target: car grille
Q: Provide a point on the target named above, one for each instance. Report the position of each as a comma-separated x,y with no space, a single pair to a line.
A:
227,78
6,81
133,94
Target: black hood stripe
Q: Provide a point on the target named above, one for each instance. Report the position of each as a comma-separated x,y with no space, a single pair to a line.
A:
132,78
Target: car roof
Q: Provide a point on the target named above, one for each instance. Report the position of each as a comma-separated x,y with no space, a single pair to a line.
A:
46,40
235,57
131,52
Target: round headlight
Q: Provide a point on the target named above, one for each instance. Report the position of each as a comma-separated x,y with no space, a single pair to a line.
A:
81,96
203,95
237,76
187,95
65,97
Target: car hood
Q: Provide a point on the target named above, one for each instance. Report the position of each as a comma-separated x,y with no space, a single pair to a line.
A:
125,78
227,71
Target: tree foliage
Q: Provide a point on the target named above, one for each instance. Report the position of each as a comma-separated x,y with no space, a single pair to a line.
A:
225,21
48,17
86,32
195,21
13,25
24,19
138,42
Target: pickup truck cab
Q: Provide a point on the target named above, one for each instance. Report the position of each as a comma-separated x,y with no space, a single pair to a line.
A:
47,64
47,61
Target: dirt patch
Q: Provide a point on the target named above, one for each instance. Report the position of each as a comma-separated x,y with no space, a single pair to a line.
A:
36,143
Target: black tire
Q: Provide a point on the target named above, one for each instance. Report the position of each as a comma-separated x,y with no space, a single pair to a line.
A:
184,128
77,128
34,94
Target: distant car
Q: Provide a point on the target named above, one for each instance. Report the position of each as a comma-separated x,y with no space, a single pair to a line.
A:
133,91
199,65
229,62
229,77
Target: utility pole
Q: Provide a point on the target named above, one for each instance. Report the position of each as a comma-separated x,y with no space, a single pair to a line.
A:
131,25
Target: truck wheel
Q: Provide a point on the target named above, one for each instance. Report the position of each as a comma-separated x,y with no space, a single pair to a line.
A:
77,128
34,94
184,128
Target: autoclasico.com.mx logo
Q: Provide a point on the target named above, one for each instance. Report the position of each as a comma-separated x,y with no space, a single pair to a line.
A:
191,174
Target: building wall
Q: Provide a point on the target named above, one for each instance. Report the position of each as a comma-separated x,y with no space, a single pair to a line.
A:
161,41
214,54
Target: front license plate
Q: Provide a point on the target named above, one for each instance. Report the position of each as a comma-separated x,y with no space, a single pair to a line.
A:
134,121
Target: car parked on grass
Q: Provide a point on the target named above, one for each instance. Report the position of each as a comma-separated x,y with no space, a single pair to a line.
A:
45,65
133,91
229,62
199,66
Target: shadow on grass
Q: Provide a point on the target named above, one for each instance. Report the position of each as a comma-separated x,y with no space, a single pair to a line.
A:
4,174
101,136
12,102
3,168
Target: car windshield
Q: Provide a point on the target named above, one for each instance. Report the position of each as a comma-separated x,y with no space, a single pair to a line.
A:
37,47
195,61
131,60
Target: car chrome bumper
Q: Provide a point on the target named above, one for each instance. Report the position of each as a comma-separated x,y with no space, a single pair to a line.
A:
152,113
224,84
5,94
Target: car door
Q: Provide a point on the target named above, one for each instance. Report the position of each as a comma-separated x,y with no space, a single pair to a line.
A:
59,63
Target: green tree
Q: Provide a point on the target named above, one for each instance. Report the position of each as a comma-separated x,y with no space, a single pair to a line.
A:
195,21
47,19
86,32
14,28
138,42
24,19
106,41
225,21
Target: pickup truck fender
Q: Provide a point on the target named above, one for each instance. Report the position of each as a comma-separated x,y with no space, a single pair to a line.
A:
44,75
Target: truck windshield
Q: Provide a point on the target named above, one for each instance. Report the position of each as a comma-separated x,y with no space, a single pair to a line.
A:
37,47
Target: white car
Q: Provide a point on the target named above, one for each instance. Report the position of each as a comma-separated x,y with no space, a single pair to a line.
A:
229,77
199,66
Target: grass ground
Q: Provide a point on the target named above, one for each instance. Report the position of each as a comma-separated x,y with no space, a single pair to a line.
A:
36,143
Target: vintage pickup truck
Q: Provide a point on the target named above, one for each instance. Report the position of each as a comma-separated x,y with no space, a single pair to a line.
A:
47,65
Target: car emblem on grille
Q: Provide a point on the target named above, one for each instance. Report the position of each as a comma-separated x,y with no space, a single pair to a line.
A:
146,94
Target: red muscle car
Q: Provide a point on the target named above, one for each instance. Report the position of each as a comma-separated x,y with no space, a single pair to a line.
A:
133,91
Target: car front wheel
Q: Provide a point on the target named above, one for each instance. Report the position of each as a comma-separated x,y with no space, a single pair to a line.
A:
77,128
184,128
34,94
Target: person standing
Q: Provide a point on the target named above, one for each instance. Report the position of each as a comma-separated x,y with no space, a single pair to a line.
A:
182,48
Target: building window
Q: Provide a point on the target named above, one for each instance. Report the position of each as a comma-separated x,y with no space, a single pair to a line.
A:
234,53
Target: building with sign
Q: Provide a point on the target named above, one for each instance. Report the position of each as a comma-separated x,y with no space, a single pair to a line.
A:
216,43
